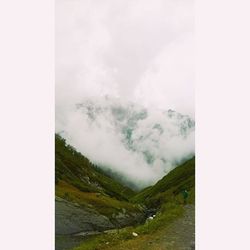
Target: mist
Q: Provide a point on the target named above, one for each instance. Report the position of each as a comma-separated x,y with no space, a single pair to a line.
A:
139,144
134,51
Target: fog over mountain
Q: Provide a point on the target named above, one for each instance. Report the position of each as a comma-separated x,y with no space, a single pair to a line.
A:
140,145
121,67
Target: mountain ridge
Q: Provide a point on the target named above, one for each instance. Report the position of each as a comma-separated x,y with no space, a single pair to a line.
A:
72,167
87,201
144,140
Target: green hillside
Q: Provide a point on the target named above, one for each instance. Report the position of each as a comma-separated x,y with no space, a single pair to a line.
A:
86,199
173,224
74,169
170,186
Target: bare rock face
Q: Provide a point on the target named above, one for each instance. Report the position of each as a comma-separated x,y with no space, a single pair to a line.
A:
71,219
123,219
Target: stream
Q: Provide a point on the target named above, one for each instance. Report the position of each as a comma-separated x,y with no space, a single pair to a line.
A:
67,242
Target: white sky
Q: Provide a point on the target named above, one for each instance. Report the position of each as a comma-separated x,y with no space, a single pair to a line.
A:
141,50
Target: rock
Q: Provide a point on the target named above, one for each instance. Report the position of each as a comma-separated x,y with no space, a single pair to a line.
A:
127,219
120,216
134,234
71,219
87,233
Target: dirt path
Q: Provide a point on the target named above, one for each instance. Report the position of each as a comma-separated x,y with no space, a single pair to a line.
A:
180,235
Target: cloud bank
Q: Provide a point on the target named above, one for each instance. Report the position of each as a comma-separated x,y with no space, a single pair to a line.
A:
138,51
139,144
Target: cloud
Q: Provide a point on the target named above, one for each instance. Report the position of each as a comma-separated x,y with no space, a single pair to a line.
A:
134,50
108,47
141,145
173,71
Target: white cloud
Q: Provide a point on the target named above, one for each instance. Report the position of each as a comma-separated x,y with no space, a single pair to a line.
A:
140,144
107,47
136,50
168,82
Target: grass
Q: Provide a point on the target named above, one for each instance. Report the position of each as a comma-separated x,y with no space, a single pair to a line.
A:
79,181
146,232
182,177
73,168
167,197
100,202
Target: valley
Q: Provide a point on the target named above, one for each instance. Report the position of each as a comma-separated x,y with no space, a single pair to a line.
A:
94,211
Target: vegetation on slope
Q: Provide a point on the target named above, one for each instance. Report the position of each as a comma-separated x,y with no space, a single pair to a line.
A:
170,186
78,171
103,204
79,182
167,197
124,239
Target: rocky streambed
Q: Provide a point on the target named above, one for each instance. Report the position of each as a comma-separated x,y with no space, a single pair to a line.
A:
73,223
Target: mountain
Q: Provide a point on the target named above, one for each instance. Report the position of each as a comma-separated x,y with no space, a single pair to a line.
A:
73,168
86,199
172,221
170,186
134,144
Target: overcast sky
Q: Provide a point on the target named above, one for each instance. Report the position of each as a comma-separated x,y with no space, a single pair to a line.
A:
140,50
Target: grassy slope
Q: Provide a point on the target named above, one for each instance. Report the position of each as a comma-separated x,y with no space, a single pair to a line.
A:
165,195
78,171
78,180
182,177
103,204
125,240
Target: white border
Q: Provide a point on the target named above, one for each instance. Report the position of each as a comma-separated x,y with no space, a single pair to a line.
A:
27,125
222,124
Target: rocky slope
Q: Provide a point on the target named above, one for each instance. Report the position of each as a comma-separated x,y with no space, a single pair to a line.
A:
173,223
71,218
86,199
